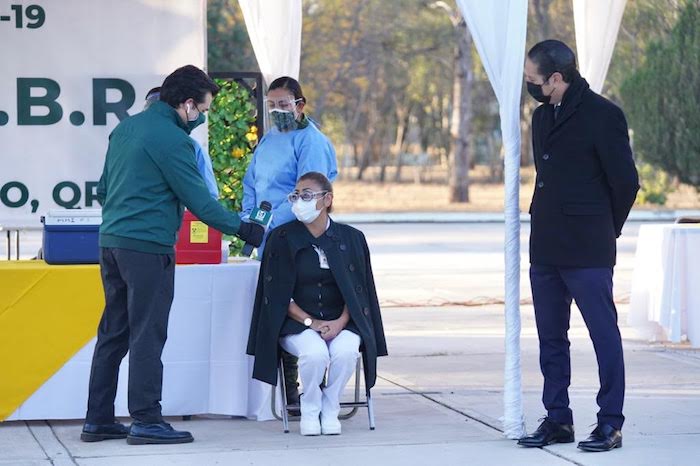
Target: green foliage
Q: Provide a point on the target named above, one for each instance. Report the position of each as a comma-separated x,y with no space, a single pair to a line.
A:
662,99
655,185
643,22
227,38
232,138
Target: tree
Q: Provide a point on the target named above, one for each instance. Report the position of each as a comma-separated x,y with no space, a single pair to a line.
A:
461,115
461,106
229,47
644,21
382,65
662,99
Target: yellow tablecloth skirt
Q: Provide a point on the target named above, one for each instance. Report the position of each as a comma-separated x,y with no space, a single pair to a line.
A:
47,314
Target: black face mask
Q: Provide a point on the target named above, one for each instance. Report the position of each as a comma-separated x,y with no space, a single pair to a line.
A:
535,90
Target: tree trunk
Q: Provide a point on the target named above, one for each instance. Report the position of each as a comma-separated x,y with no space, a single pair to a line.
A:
403,117
380,151
366,154
461,116
540,9
371,131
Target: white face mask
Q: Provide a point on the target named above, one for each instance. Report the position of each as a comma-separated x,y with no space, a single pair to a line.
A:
305,211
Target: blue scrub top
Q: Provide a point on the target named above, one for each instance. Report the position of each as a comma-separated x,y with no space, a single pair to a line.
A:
205,168
279,160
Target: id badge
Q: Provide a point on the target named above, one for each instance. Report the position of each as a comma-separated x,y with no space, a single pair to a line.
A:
322,259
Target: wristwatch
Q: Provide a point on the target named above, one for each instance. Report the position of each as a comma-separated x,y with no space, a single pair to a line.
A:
308,321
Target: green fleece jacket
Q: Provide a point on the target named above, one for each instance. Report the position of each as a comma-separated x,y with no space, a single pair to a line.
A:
149,176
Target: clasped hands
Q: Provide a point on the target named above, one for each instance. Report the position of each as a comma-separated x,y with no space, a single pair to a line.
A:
328,329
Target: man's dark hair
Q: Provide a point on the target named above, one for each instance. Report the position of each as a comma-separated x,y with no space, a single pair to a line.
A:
188,82
553,56
321,180
291,84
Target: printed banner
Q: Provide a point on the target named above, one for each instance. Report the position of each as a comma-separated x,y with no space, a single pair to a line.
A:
72,69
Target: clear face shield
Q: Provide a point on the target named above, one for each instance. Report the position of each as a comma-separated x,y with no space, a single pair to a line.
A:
283,113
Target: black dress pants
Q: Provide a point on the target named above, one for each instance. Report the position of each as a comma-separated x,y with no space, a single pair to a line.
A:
138,294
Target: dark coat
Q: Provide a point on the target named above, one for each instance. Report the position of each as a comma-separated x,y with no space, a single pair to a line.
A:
586,180
348,259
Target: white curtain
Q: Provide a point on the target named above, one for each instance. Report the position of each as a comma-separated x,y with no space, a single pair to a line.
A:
499,30
597,23
274,27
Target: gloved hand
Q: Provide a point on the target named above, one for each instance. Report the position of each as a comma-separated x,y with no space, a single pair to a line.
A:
251,233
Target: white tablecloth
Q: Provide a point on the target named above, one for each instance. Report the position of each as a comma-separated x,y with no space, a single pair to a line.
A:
206,370
665,301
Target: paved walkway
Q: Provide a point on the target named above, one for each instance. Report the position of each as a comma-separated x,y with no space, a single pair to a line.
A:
438,401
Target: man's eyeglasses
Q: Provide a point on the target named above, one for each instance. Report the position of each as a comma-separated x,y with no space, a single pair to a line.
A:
305,196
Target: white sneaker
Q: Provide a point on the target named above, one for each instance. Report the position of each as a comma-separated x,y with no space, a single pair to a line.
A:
330,426
310,426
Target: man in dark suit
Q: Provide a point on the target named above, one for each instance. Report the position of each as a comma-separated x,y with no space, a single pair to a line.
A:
585,187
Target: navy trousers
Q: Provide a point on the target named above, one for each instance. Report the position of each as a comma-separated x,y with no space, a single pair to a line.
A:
552,291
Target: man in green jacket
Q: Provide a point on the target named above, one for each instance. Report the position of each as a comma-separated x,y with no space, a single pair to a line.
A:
149,176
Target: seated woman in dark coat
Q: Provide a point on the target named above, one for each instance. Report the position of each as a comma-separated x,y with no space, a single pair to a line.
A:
316,299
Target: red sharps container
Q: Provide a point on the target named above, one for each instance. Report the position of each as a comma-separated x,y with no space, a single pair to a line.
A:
197,243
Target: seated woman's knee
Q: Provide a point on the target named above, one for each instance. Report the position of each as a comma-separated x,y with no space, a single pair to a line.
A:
345,354
314,355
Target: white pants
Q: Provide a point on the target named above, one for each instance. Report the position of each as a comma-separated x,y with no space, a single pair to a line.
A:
315,355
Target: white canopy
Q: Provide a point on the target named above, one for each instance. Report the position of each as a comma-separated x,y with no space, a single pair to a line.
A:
274,27
597,23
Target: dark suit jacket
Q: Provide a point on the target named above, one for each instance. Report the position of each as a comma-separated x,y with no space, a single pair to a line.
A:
586,180
348,259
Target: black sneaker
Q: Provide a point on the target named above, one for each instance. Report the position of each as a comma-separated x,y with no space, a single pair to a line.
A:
142,433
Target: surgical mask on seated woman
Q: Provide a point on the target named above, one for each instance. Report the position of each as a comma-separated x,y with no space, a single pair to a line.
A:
305,210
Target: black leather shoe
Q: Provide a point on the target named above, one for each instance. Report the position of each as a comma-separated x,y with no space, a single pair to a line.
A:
547,433
603,438
99,432
142,433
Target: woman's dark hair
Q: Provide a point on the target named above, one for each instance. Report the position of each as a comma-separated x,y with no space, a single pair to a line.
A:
553,56
321,180
155,90
188,82
291,84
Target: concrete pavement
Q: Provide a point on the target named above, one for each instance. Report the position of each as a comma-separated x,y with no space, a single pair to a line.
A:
438,401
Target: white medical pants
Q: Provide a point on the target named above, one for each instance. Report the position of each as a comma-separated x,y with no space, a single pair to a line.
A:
315,356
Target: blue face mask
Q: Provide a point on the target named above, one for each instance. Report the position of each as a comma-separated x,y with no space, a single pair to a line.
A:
191,125
284,120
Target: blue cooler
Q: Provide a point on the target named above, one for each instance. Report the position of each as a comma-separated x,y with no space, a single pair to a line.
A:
71,236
